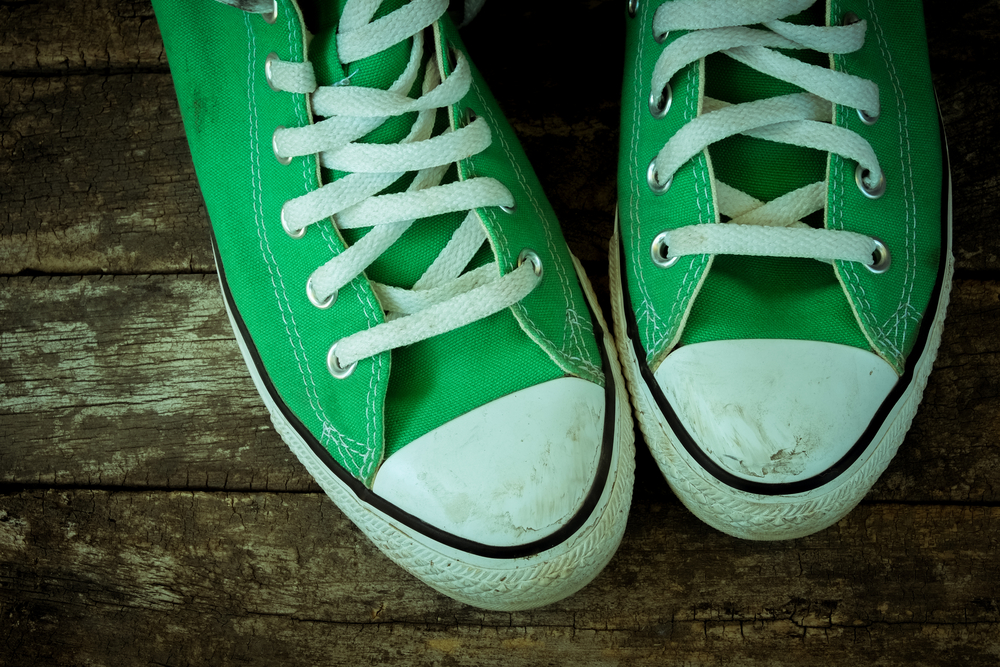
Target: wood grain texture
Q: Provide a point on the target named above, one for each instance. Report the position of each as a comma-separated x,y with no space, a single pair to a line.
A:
137,382
58,37
131,381
98,178
265,578
150,515
88,197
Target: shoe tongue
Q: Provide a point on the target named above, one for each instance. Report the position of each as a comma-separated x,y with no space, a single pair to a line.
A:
404,262
376,71
768,297
379,70
763,169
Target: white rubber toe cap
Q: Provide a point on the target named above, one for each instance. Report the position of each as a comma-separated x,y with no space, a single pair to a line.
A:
508,473
774,411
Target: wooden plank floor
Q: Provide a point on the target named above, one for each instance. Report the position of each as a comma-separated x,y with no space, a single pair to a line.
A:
150,515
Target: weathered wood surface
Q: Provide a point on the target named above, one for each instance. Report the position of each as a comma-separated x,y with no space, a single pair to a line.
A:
222,578
149,514
136,381
98,177
51,38
100,182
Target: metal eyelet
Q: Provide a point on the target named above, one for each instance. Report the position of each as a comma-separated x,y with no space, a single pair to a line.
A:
314,298
508,209
662,37
633,7
850,18
294,233
271,58
653,181
873,192
658,251
272,15
866,118
333,364
529,255
659,105
274,146
881,258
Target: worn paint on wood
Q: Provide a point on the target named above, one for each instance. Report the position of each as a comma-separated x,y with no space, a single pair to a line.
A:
149,514
101,181
287,575
137,382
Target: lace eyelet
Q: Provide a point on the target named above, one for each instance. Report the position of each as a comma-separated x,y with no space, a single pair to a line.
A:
850,18
529,255
881,258
866,118
658,251
272,15
333,364
633,8
872,192
659,105
508,209
314,298
653,182
294,233
274,147
660,38
271,58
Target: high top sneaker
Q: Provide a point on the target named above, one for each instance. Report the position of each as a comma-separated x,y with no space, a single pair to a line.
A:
402,294
782,257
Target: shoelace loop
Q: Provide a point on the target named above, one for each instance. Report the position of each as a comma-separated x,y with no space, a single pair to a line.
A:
445,297
801,119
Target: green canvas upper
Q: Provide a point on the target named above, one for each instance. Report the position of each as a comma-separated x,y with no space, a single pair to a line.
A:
724,297
217,56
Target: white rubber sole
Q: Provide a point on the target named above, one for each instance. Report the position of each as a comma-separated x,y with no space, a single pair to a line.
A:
766,517
502,584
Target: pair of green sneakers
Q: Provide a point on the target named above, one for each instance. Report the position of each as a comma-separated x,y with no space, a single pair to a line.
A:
434,355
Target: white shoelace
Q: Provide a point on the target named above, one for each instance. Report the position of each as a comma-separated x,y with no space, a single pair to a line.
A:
443,298
774,228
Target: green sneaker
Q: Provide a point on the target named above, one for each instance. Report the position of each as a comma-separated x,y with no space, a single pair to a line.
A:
782,257
402,293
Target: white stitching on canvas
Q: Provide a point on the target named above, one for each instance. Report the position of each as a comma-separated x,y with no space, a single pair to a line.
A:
697,261
891,340
848,272
258,205
906,173
368,308
343,442
548,232
579,353
644,311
